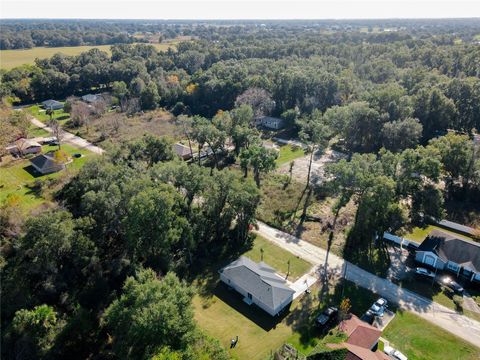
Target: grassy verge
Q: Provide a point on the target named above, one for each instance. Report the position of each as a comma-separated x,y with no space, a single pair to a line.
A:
419,234
278,258
419,339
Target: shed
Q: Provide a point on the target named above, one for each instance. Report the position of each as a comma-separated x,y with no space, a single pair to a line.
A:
46,163
52,104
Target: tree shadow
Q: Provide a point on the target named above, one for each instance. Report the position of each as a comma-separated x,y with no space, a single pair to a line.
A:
32,171
235,300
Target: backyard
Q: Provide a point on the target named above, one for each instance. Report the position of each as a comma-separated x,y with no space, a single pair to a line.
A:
17,178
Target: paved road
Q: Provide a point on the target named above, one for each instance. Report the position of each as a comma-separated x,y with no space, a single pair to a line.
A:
69,138
437,314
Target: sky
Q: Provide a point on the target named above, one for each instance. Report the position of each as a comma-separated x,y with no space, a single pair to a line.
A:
235,9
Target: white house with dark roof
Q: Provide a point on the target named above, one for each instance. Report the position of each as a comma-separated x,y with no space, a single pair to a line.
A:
270,122
443,251
259,284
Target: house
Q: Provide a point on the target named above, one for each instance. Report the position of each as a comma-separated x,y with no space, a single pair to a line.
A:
362,340
46,163
443,251
90,98
182,151
259,284
271,122
25,146
52,104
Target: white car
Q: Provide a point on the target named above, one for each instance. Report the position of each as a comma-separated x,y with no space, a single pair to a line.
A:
378,308
393,353
424,272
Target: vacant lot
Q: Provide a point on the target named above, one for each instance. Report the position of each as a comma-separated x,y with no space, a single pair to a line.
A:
12,58
419,339
18,178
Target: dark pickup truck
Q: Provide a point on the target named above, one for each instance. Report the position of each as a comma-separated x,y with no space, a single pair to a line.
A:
326,316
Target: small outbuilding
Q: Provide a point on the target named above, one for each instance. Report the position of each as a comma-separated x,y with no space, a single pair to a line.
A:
52,104
90,98
271,122
259,284
46,163
25,146
182,151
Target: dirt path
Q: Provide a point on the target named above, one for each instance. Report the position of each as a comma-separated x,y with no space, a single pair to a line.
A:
449,320
69,138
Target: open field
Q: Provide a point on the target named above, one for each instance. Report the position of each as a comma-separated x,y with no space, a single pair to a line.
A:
277,258
12,58
17,178
419,339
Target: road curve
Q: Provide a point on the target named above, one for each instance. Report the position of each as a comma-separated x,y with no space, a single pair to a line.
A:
447,319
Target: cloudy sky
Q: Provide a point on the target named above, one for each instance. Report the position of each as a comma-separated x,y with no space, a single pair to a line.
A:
234,9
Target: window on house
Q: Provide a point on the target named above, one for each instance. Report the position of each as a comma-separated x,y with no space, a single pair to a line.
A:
452,266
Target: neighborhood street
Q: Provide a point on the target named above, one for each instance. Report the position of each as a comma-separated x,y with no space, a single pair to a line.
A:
69,138
437,314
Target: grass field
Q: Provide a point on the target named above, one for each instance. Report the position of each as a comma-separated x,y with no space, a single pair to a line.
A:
17,178
289,153
12,58
277,258
419,339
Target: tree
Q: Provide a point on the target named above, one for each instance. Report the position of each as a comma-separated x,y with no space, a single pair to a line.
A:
155,227
120,91
149,315
400,135
149,97
456,155
56,131
344,308
434,110
37,329
80,114
315,134
260,101
260,159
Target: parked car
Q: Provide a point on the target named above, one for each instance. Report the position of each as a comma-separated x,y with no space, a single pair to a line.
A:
326,316
424,272
378,308
48,140
393,353
451,284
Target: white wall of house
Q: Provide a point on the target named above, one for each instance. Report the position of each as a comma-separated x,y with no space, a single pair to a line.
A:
255,300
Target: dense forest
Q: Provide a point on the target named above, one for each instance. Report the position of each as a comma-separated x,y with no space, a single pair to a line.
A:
97,275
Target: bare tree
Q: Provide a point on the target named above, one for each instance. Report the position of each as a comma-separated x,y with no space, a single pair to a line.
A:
99,107
56,130
80,114
132,106
259,99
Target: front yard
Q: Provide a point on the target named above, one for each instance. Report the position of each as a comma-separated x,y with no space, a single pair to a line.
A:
419,339
18,178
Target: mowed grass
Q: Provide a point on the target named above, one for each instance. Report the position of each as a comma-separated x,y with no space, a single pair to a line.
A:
289,153
419,339
18,178
278,258
38,112
12,58
419,234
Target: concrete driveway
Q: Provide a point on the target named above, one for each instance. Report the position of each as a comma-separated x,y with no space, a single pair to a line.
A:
449,320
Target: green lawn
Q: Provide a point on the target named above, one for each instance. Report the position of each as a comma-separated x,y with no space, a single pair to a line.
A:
419,339
278,258
17,178
289,153
38,112
419,234
37,132
12,58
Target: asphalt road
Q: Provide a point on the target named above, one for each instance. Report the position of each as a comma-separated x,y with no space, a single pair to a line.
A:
449,320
